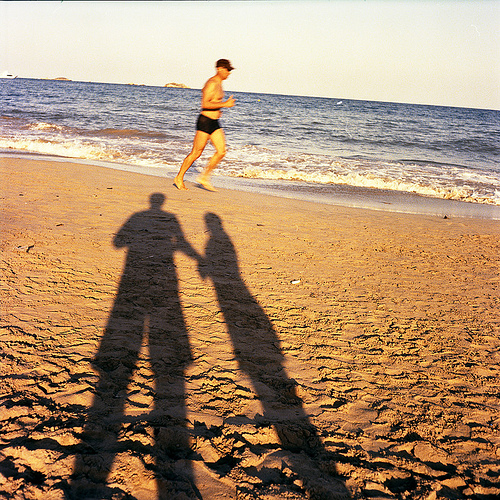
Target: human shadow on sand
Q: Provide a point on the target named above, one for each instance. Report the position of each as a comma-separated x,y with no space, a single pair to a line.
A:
257,350
146,310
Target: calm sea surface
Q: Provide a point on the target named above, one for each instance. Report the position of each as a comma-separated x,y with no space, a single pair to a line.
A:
328,148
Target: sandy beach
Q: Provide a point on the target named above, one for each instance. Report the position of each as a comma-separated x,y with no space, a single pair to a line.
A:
159,344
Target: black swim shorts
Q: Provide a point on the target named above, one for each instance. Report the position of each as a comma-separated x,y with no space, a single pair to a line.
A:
207,125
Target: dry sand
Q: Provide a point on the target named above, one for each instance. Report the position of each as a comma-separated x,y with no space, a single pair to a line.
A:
232,345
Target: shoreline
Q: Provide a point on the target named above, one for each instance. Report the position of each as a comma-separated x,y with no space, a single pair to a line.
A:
330,194
240,345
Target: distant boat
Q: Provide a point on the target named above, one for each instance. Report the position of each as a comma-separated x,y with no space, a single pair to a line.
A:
8,75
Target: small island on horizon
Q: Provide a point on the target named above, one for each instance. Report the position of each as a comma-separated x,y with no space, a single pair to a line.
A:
176,85
169,85
64,79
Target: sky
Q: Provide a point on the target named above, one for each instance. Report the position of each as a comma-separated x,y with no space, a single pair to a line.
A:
440,52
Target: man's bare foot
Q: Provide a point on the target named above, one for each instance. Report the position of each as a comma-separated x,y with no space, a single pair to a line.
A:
179,184
205,183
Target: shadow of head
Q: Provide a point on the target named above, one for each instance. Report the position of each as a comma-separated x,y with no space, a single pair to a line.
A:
156,201
213,222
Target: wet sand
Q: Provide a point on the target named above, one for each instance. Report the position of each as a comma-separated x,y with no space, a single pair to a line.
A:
159,344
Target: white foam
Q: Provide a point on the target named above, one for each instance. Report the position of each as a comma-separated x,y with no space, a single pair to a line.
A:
45,127
70,149
381,180
450,183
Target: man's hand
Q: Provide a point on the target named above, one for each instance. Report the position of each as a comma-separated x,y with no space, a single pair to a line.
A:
229,103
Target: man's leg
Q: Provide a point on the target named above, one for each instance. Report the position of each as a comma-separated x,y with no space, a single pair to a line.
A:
199,143
219,141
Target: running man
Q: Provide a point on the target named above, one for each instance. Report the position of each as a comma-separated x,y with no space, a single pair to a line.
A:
208,127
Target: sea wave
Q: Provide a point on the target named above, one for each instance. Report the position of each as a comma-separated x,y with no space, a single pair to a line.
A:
263,163
462,192
106,132
112,132
70,149
46,127
160,160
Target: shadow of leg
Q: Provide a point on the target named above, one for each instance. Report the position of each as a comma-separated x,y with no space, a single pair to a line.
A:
116,362
170,355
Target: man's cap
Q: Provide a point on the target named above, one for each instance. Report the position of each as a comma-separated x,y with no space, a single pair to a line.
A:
224,63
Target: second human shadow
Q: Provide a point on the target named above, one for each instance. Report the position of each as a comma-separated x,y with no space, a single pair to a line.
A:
256,348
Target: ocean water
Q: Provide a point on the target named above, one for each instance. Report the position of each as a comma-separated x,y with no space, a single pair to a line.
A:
328,149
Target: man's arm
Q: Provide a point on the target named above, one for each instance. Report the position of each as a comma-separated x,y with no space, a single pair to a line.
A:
184,246
125,236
